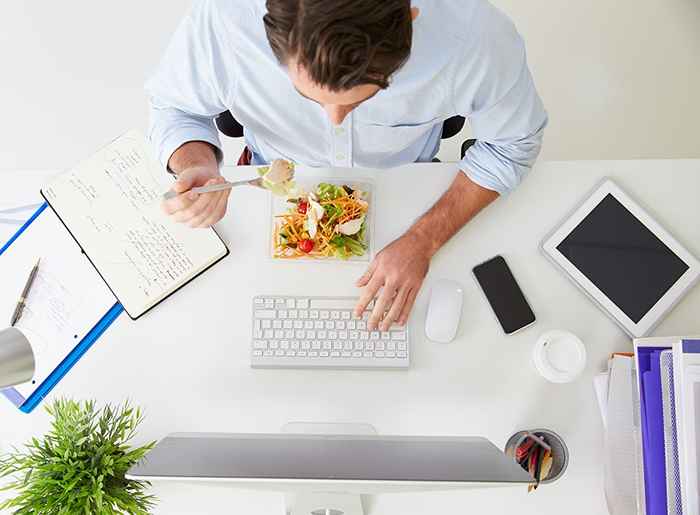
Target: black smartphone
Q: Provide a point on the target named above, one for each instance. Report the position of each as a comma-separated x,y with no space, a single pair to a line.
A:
503,293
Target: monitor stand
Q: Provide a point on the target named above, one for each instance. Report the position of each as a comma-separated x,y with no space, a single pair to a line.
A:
323,503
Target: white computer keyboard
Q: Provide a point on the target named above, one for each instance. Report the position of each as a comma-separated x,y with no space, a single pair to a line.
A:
321,332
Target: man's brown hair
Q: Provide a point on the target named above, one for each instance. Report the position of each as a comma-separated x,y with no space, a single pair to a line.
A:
341,43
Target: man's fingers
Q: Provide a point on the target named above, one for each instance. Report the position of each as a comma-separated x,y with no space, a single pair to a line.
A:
396,309
218,212
199,207
207,211
408,305
381,306
175,204
362,281
184,182
367,295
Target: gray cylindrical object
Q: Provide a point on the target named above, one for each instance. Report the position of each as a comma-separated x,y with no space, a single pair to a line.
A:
16,358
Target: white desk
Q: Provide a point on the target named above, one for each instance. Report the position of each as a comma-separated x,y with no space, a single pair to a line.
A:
186,363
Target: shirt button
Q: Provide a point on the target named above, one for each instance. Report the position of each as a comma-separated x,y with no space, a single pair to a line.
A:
339,131
340,157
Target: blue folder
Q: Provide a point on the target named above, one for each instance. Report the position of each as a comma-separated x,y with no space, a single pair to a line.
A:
28,404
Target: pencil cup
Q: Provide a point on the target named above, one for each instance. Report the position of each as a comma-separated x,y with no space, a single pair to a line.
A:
16,358
560,452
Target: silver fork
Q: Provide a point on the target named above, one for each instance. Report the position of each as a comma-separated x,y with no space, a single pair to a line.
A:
257,183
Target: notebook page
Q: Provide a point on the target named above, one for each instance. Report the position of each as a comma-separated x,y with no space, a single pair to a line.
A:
66,300
111,205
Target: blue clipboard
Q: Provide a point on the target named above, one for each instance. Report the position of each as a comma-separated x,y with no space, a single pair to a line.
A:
28,404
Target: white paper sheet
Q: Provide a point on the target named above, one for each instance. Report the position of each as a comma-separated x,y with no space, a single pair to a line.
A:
620,465
67,298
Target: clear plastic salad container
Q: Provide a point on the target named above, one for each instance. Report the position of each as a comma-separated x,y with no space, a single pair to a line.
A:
281,205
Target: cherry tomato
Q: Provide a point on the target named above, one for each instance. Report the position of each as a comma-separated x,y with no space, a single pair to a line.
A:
306,245
302,206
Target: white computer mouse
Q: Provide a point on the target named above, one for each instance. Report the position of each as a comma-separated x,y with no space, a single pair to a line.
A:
444,311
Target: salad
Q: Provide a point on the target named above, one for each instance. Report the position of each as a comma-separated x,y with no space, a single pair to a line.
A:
328,222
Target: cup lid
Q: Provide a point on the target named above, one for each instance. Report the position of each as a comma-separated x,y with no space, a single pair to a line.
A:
559,356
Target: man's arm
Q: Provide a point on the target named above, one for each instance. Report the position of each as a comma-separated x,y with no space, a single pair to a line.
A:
399,269
508,119
184,95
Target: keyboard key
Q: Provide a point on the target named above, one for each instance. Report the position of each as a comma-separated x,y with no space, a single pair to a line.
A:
345,315
303,303
402,354
364,335
362,325
324,354
298,324
399,335
265,313
351,324
340,324
345,354
266,324
279,352
268,333
260,344
313,354
284,344
276,324
330,325
357,354
374,335
390,345
273,344
354,335
303,314
335,354
322,335
300,334
401,346
379,346
290,353
308,324
291,304
257,333
258,325
332,335
313,314
310,335
287,324
386,335
269,303
301,354
369,345
366,354
293,314
279,334
324,315
294,345
335,315
338,345
268,353
343,335
257,353
289,334
279,300
390,354
379,354
258,300
318,324
327,345
282,314
347,345
306,345
316,345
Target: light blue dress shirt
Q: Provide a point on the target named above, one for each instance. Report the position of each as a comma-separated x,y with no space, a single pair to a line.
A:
467,58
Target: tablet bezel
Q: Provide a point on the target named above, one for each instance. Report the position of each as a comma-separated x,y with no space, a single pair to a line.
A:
665,303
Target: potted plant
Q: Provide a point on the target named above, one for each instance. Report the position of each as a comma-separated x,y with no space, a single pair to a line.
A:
79,465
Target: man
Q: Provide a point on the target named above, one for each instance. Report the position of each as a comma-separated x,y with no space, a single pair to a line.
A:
362,83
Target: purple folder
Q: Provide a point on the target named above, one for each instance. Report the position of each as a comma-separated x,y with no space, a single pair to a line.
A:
651,412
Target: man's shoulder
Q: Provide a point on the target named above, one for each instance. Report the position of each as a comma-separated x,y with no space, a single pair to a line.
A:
233,14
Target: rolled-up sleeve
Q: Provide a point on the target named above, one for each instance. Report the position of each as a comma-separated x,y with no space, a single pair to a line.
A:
184,92
505,112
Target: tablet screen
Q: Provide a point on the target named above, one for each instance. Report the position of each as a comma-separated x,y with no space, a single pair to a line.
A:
623,258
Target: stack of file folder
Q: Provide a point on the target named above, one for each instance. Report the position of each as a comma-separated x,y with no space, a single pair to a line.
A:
651,414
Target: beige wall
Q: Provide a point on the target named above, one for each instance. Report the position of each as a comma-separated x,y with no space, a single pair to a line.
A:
619,78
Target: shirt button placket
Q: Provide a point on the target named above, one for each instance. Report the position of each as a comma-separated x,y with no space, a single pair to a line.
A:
341,152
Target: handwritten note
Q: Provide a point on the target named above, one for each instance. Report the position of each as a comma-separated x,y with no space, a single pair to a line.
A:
111,204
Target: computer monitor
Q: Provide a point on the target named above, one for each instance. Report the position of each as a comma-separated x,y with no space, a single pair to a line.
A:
315,468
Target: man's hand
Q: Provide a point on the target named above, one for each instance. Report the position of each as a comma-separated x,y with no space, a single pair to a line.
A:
398,270
197,210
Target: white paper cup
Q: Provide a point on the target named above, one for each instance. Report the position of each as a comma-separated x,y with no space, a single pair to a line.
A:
16,358
559,356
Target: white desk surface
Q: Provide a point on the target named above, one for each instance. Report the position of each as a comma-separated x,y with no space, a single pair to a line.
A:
186,363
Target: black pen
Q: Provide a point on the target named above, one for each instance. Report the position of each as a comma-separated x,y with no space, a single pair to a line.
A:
22,300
